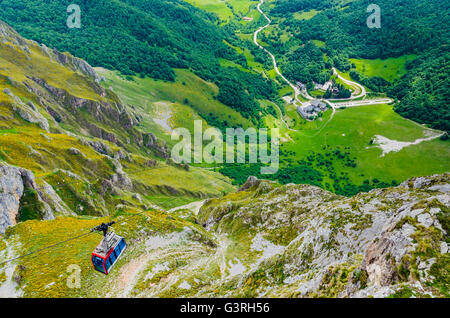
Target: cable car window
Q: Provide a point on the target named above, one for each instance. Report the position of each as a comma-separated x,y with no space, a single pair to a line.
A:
97,261
107,264
112,258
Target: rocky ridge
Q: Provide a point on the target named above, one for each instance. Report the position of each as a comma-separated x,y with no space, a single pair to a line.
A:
265,240
268,240
17,183
324,245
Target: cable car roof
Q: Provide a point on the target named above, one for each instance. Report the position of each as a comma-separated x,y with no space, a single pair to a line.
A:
109,241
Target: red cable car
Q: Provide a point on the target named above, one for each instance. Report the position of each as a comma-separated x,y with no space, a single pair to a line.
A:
108,251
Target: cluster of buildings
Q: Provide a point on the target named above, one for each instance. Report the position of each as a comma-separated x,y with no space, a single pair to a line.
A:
312,110
301,86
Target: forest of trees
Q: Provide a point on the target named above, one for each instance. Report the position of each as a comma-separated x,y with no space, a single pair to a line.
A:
306,64
424,92
407,27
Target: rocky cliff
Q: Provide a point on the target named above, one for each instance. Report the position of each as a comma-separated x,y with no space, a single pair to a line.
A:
16,185
265,240
302,241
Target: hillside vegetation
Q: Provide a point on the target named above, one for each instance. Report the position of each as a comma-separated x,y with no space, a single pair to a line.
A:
408,28
343,156
78,141
266,240
339,151
81,145
146,38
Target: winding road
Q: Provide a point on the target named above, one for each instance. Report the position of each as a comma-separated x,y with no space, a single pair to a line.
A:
363,92
297,91
350,102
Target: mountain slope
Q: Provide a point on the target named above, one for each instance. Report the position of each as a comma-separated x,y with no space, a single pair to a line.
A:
265,240
168,33
80,150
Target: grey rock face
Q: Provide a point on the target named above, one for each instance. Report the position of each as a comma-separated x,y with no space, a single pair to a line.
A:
77,64
11,190
76,152
251,182
121,155
121,179
369,235
52,198
100,147
382,255
149,140
137,197
425,219
14,182
28,113
441,187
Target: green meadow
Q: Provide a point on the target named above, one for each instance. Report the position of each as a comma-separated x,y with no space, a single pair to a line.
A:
185,100
218,7
225,9
242,6
319,43
390,69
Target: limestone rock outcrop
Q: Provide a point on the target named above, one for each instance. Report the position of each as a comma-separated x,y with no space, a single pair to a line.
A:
15,184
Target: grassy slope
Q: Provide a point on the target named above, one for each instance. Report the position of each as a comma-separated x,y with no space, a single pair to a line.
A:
305,15
218,7
38,279
47,154
144,93
389,69
355,127
155,265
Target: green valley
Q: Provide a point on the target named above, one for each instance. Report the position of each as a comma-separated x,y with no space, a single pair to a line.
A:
390,69
357,122
352,131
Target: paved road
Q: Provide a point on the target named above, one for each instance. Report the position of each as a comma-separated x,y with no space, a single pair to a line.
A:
364,102
297,92
334,104
363,92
